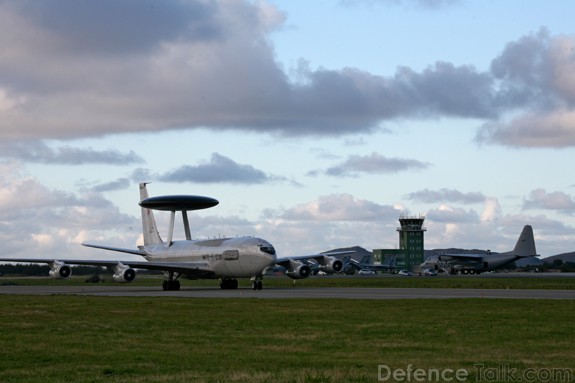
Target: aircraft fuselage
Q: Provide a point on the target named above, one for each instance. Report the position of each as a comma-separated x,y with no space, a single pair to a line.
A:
241,257
476,265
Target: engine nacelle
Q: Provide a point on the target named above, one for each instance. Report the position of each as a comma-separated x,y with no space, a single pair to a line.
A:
60,270
123,273
331,265
298,270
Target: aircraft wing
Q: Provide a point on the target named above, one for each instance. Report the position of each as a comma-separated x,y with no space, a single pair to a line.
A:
370,267
195,269
118,249
286,261
465,257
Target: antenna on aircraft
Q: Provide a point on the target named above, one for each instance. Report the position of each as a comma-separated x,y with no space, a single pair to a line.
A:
183,203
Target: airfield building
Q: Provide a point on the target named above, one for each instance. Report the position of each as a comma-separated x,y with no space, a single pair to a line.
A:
411,244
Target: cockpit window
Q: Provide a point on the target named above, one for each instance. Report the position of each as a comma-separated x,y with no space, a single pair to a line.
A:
268,249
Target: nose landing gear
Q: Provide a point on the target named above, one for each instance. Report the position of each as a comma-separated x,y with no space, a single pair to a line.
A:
257,284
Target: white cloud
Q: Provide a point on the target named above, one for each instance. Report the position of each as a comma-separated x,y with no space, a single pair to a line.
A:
541,199
491,210
339,207
554,128
452,215
40,222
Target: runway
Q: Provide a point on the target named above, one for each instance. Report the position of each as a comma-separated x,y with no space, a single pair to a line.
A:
290,293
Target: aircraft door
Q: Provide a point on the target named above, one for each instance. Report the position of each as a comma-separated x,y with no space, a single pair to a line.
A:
231,255
231,261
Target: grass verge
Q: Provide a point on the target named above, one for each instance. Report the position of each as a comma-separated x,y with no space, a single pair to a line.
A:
104,339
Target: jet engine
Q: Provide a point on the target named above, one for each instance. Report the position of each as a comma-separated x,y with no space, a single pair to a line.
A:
331,264
60,270
123,273
298,270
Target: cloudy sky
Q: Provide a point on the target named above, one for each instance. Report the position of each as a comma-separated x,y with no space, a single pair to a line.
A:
315,124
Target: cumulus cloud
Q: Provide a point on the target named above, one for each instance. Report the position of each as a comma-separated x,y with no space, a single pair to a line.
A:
536,86
372,164
40,152
448,214
28,205
446,195
541,199
555,128
220,169
491,210
339,207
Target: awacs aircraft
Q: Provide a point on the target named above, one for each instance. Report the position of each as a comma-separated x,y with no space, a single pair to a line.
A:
224,258
478,263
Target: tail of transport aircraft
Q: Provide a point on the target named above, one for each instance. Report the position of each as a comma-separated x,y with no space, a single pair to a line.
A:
150,230
366,260
525,246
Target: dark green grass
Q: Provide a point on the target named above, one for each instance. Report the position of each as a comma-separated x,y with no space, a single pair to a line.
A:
381,281
103,339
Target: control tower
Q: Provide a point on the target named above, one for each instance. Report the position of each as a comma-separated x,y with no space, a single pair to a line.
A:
410,253
411,240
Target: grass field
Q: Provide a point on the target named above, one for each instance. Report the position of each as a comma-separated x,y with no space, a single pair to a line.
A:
103,339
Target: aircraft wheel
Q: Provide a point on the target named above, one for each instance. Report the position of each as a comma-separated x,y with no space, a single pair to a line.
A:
257,284
229,284
170,285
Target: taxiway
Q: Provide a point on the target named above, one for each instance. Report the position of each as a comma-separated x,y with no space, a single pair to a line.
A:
298,292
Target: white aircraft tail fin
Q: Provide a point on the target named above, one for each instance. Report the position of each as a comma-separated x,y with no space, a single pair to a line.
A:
525,246
151,234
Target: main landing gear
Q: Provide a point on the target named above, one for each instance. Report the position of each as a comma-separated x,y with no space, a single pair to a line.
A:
228,284
172,282
257,284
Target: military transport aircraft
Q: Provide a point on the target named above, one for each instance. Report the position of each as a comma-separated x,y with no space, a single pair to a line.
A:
223,258
478,263
366,263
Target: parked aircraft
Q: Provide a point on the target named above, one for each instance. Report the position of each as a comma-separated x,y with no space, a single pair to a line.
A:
223,258
478,263
366,263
